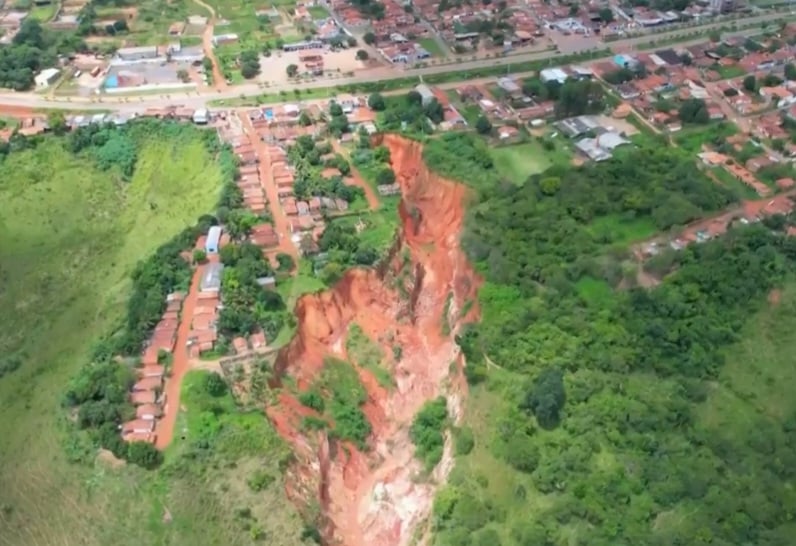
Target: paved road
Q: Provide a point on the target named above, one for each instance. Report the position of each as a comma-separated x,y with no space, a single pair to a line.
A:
198,100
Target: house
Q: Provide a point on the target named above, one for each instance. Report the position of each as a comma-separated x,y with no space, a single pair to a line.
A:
152,371
201,116
511,87
138,426
176,29
222,39
213,239
148,384
134,54
240,345
143,397
211,277
257,340
148,412
553,74
507,133
425,92
269,283
46,77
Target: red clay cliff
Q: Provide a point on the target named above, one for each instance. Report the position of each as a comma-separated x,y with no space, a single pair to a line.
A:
372,497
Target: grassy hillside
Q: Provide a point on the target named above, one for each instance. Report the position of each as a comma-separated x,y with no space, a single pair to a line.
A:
71,234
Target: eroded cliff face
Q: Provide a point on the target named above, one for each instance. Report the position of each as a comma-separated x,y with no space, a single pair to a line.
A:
415,300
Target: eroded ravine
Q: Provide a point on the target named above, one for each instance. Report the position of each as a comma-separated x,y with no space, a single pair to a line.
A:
416,299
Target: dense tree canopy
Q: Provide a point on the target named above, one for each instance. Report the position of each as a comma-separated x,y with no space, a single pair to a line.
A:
600,402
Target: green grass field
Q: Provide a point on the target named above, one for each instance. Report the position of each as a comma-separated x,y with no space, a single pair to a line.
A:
519,161
623,231
71,236
431,45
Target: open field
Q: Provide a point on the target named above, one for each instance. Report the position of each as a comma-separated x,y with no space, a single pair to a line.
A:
71,236
623,230
432,46
519,161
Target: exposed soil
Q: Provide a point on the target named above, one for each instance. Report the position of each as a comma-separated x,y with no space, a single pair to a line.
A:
414,300
774,297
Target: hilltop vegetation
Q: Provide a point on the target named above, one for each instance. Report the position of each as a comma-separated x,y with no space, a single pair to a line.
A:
605,414
84,237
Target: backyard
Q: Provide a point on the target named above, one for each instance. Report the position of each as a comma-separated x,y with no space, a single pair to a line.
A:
519,161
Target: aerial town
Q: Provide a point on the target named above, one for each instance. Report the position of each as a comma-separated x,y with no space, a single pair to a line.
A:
384,273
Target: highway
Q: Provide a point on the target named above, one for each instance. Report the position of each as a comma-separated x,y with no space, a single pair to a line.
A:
196,99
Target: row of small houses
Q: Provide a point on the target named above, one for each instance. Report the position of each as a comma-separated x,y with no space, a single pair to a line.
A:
199,116
147,394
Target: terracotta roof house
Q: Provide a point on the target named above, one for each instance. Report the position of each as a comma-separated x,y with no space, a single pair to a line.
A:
143,397
148,412
148,384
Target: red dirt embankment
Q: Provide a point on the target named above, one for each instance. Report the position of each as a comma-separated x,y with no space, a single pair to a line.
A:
415,301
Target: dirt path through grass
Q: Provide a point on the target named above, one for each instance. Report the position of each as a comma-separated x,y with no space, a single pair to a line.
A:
219,81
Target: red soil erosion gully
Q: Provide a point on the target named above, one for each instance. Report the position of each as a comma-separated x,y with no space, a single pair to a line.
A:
372,498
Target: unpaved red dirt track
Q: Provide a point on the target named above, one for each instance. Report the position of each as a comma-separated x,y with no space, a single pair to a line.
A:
180,364
271,191
16,111
371,498
356,178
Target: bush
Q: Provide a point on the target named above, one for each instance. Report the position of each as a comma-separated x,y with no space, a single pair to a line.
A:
260,481
312,399
427,430
144,454
465,441
215,385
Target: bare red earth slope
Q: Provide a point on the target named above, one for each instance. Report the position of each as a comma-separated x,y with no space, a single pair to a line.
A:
415,299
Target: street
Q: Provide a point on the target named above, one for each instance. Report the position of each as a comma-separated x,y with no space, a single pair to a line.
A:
197,99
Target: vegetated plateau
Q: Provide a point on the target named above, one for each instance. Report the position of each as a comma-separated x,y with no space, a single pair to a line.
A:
77,216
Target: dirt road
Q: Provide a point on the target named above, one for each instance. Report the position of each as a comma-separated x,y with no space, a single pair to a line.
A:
179,366
219,81
373,200
281,224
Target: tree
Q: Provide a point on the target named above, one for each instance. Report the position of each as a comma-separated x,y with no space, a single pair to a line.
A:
483,125
385,177
750,83
215,385
292,70
199,256
362,55
714,36
286,262
304,119
351,41
183,76
790,72
606,15
57,122
413,97
144,454
433,110
546,397
376,102
694,111
335,109
369,38
249,63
